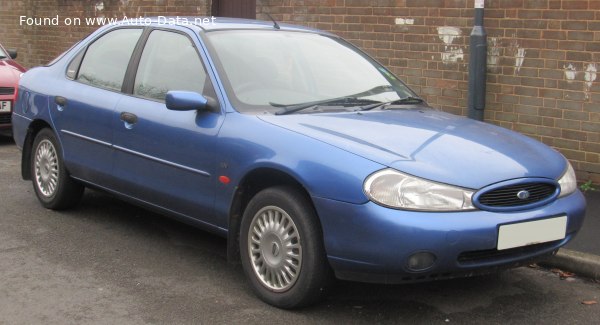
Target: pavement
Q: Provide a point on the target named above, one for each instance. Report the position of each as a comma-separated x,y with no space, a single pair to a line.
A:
582,255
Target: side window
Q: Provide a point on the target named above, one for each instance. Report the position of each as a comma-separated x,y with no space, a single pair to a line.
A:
74,66
169,62
105,61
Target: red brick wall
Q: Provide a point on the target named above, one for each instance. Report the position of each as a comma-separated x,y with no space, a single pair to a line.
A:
542,59
39,44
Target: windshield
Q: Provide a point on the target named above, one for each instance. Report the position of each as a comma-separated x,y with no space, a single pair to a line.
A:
267,70
3,54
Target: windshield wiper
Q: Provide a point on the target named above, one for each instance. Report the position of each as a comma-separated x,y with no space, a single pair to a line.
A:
402,101
350,100
408,100
345,101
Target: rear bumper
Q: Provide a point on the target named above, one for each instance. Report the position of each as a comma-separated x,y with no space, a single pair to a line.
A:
370,243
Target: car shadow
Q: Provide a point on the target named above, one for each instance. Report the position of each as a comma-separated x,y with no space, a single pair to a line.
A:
6,140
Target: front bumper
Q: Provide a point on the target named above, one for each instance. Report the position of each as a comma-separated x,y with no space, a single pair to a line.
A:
371,243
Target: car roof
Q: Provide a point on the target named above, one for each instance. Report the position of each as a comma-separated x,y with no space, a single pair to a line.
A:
225,23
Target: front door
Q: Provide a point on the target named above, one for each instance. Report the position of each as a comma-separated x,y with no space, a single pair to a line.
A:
162,157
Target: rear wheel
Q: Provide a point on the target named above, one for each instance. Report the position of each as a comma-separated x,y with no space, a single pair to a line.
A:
282,250
52,184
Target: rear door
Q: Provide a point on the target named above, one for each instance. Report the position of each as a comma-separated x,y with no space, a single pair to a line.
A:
163,157
82,110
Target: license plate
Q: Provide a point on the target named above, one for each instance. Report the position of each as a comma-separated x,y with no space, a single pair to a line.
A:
532,232
5,106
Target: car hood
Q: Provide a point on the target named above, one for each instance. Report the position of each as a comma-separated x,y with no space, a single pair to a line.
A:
431,144
9,74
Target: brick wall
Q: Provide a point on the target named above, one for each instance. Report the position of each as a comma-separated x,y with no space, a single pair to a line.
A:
38,45
543,54
543,57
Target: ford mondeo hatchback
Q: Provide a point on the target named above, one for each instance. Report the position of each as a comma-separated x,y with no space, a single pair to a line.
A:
309,156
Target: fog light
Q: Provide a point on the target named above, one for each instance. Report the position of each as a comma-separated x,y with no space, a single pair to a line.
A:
421,261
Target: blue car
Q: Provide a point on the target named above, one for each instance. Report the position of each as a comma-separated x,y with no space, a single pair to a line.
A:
311,158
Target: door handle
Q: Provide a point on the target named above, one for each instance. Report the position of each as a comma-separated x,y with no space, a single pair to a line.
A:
129,118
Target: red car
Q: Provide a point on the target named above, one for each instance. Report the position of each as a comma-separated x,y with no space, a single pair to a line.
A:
10,73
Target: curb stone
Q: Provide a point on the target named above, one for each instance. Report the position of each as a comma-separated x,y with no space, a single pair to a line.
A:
583,264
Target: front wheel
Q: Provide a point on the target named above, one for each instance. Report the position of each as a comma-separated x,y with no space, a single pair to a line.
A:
281,246
52,184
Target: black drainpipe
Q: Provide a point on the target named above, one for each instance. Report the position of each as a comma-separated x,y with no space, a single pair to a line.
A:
477,64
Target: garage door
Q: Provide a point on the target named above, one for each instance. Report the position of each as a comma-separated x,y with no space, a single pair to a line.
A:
234,8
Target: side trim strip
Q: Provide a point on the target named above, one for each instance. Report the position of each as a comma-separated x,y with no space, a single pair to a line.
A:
86,138
22,116
162,161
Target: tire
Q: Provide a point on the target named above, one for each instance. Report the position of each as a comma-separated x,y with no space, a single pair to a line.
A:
274,219
53,186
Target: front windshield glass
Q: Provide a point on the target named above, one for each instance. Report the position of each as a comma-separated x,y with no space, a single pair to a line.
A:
3,54
269,70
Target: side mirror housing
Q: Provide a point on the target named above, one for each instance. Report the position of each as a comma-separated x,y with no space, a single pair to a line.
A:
12,53
177,100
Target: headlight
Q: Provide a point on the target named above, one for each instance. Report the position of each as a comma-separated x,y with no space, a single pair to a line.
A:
568,181
394,189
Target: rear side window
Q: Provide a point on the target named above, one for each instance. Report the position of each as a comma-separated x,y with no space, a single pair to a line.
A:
169,62
105,61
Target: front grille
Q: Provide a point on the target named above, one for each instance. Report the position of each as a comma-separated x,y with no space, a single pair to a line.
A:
7,90
508,196
4,119
494,254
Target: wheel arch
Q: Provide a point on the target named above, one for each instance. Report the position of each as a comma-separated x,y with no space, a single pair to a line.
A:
253,182
34,128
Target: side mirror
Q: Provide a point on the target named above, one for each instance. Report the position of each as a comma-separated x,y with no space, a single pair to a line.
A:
177,100
12,53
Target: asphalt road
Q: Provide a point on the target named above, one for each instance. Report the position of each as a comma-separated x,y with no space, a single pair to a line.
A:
108,262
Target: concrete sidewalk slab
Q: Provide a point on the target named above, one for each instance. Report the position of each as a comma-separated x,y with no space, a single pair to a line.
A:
583,264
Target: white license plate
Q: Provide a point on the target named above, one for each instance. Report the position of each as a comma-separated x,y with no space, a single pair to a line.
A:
5,106
532,232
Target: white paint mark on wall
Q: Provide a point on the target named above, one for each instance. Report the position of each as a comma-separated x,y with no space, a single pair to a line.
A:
448,34
570,72
518,53
493,57
405,21
452,53
99,6
590,77
519,59
99,9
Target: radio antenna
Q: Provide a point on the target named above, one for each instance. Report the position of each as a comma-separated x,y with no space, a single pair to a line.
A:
275,24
